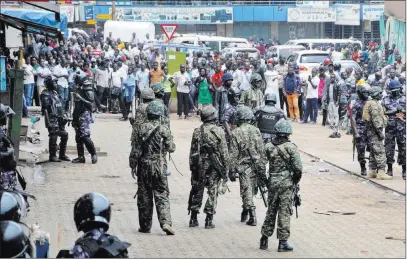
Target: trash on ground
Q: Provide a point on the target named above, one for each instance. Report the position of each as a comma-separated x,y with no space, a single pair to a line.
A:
396,194
398,239
322,170
322,213
38,175
342,213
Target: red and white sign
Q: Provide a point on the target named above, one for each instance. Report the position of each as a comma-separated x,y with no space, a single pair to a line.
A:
169,30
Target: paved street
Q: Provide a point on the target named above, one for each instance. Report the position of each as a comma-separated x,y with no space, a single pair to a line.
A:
376,213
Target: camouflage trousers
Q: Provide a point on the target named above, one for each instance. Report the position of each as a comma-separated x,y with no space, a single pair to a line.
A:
8,180
392,137
211,202
377,157
82,124
153,187
248,189
279,202
361,144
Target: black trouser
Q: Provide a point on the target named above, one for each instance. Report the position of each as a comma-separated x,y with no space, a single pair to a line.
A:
102,95
167,97
182,99
87,141
300,105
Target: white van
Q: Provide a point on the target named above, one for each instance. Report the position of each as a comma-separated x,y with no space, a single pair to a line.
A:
214,43
324,43
124,30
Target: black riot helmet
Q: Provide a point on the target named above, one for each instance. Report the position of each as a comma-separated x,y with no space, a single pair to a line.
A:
51,84
92,210
9,207
14,236
270,99
5,111
363,92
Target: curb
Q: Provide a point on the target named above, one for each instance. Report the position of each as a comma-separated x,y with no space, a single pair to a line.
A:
355,174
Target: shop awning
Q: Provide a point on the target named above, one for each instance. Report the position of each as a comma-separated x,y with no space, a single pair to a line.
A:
28,26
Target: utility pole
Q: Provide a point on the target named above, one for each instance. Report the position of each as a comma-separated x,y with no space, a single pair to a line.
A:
113,10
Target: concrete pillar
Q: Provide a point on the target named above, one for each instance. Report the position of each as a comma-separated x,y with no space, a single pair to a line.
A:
229,30
221,30
274,30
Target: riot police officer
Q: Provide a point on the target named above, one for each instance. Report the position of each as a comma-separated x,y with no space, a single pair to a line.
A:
395,109
267,116
14,240
53,111
82,118
10,208
92,216
8,163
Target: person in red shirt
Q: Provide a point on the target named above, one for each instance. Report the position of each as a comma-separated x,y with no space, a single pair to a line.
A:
355,55
217,76
261,47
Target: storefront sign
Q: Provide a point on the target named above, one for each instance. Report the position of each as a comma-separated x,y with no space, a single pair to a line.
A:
347,14
312,4
311,15
88,13
186,15
373,12
68,11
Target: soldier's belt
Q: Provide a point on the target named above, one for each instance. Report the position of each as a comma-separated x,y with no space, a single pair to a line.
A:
280,173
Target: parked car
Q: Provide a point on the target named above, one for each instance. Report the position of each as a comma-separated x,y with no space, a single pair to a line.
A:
284,51
307,60
347,63
232,52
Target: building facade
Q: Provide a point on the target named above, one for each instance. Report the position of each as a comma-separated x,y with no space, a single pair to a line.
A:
267,19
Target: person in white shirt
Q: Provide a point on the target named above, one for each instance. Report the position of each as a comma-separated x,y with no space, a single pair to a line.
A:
102,79
29,73
142,78
311,108
271,77
183,83
42,73
61,72
336,55
237,76
117,87
246,75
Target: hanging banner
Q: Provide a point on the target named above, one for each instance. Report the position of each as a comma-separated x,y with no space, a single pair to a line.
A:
69,11
187,15
311,15
373,12
347,14
88,13
312,4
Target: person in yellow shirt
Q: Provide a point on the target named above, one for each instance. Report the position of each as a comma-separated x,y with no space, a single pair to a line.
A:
120,44
359,78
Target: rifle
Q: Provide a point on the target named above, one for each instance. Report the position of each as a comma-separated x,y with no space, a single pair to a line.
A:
297,197
196,160
353,125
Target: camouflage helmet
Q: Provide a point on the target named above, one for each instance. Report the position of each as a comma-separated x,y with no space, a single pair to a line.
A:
375,91
283,127
271,98
363,89
209,113
155,108
244,113
147,94
255,78
158,88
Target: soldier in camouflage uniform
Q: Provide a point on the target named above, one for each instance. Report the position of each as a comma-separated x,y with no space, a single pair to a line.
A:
359,126
253,97
147,95
151,143
285,172
376,121
208,161
228,105
246,150
395,109
158,89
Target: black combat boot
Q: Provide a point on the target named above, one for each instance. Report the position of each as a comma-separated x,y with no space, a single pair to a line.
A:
52,145
252,220
390,169
208,221
62,149
193,222
403,172
264,242
283,246
81,154
363,168
243,215
91,149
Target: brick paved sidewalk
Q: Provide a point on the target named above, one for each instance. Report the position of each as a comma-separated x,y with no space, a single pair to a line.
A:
379,213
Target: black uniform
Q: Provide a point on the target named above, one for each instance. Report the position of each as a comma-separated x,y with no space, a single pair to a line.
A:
53,110
82,118
266,117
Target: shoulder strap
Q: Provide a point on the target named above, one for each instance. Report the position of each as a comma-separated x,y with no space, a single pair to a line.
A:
281,154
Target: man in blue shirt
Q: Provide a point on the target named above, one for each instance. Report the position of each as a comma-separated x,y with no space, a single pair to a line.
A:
128,93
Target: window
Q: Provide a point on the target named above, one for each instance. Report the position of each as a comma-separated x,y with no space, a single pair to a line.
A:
292,58
314,58
212,45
